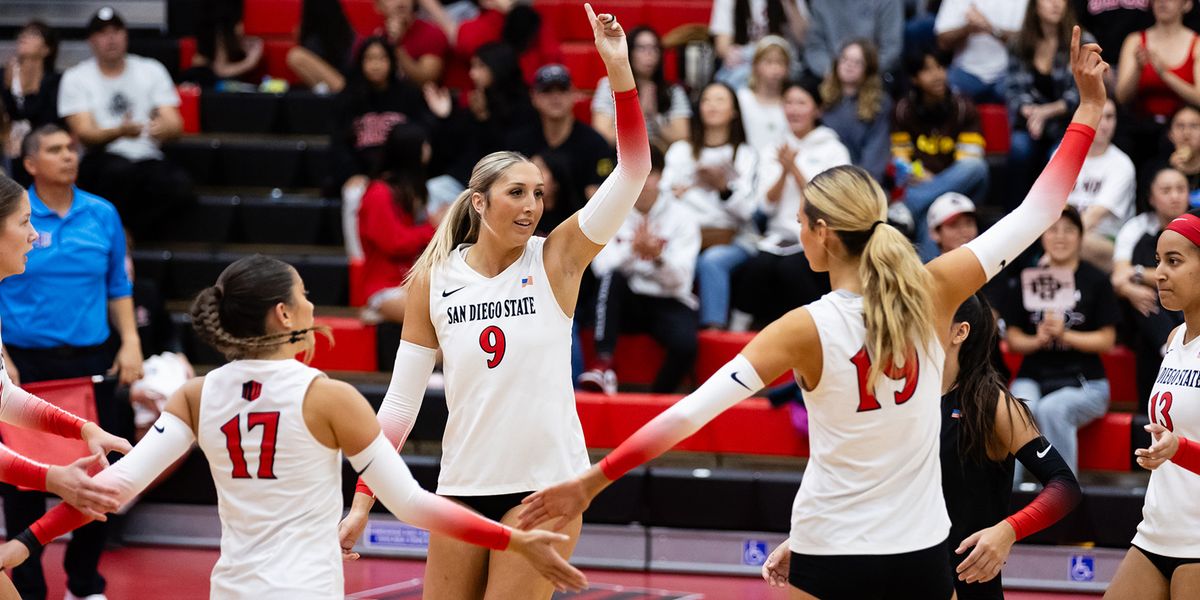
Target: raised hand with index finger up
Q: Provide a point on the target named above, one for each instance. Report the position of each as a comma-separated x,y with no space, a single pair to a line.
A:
613,48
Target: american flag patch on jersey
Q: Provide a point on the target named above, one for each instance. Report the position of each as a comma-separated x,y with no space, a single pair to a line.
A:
526,280
956,414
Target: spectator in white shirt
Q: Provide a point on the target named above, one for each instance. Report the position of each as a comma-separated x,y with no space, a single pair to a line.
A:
646,275
714,174
737,25
123,107
1104,192
762,102
779,277
977,31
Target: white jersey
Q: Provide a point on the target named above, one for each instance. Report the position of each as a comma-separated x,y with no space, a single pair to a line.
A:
278,488
873,484
513,426
1171,518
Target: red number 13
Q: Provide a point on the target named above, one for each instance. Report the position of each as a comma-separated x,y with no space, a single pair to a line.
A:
1160,410
910,372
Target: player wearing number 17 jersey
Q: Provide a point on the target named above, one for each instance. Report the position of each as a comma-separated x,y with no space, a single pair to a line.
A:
869,520
1164,561
273,431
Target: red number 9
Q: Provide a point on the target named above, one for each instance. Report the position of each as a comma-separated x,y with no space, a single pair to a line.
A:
492,342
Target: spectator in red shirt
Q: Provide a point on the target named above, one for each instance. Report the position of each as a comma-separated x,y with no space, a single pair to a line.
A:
393,223
517,25
421,47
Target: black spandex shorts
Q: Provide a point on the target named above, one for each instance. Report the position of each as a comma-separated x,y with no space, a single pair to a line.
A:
920,575
492,507
1166,564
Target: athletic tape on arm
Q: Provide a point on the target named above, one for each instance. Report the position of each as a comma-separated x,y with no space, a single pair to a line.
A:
1007,239
384,470
602,216
168,440
402,402
732,383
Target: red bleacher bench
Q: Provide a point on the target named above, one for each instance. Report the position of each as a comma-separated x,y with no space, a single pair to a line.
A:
754,427
355,342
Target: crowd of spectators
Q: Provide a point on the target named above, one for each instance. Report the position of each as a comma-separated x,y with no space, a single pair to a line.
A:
896,88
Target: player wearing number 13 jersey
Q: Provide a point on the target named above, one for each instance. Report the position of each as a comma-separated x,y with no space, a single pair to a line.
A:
869,520
1164,561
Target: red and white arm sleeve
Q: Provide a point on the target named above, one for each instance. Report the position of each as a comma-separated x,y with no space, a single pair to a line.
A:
402,402
168,440
21,471
1188,455
19,407
1007,239
732,383
602,216
380,466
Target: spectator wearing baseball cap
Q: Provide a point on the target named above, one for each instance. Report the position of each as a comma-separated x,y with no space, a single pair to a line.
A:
952,221
556,129
123,107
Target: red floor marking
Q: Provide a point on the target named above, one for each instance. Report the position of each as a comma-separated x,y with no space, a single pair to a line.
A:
135,573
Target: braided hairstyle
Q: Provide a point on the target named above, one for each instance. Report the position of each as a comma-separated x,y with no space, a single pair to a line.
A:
231,316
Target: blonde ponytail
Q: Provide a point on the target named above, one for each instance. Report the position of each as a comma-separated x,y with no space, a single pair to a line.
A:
897,305
461,223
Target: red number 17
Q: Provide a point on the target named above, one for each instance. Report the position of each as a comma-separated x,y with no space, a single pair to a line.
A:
910,372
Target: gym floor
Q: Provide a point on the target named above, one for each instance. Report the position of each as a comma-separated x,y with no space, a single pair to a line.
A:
143,572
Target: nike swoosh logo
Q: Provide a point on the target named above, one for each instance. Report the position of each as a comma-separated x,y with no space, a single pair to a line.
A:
367,466
159,428
446,293
1043,453
739,381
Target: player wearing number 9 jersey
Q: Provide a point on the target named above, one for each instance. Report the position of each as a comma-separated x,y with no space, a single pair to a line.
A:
273,431
869,520
498,303
1164,561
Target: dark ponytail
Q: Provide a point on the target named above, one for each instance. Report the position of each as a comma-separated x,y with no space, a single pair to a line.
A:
231,316
979,385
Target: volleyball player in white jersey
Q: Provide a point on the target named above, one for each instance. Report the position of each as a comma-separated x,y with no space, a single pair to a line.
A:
869,520
20,408
1164,561
273,431
498,303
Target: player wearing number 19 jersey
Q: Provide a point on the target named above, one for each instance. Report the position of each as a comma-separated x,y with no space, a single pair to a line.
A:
869,520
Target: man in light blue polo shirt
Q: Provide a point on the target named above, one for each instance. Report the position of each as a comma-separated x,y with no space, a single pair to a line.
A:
56,325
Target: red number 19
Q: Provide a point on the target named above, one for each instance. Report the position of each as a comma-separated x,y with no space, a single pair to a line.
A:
910,372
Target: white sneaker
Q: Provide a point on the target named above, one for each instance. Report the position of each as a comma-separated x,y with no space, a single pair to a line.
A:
71,596
599,380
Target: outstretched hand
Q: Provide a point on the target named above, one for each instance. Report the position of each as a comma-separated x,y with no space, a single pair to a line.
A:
1163,447
562,502
610,37
1089,70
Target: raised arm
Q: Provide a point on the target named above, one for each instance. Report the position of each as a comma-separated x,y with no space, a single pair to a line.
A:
783,345
574,243
960,273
